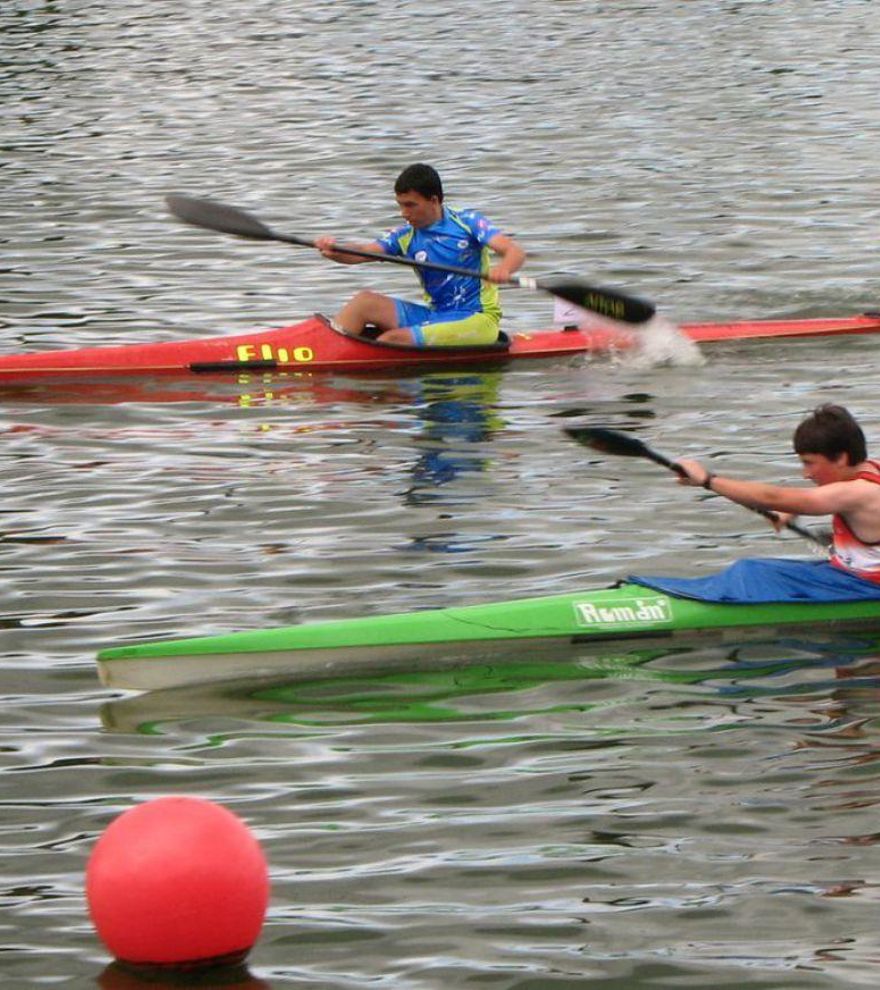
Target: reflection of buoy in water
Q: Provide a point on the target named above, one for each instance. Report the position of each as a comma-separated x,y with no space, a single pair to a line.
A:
176,881
124,976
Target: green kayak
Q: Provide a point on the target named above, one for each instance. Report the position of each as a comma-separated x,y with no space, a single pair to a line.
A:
543,626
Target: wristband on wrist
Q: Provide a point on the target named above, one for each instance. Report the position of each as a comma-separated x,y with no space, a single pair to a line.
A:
707,483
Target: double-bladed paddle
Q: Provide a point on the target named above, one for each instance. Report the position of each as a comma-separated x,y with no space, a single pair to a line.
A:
230,220
625,445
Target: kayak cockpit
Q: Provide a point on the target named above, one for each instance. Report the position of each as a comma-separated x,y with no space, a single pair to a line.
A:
371,333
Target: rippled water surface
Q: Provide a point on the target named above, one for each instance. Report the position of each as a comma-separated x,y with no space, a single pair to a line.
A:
703,816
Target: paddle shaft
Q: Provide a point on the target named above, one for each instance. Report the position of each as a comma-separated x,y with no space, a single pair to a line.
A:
613,442
518,280
606,302
766,513
230,220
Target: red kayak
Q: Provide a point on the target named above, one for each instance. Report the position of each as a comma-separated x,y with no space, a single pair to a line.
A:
313,345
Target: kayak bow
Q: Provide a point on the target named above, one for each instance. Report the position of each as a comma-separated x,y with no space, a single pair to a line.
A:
313,345
448,635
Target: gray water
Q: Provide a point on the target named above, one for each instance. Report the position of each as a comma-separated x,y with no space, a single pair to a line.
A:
701,817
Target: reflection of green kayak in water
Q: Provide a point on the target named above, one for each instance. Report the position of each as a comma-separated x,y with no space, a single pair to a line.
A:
424,696
545,627
449,695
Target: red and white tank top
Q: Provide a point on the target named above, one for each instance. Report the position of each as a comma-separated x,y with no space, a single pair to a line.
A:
851,553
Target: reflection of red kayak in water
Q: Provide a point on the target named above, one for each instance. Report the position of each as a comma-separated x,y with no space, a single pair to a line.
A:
257,389
313,345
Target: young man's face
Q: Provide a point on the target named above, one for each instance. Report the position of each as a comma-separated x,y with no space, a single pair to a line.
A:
822,470
419,210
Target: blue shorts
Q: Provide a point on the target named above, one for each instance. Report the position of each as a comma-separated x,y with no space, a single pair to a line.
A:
445,328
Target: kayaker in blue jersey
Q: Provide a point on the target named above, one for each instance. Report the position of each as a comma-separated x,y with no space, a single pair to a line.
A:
457,310
832,449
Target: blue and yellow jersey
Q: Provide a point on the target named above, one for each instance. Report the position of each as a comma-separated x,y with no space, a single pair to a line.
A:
459,238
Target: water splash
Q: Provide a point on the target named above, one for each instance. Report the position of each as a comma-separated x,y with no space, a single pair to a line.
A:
661,342
653,344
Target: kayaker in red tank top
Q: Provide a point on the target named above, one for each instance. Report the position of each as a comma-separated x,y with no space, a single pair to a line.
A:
832,449
852,552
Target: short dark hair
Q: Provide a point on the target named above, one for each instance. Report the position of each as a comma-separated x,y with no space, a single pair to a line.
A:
831,431
421,179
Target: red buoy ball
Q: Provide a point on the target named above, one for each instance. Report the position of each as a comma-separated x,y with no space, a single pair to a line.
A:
177,881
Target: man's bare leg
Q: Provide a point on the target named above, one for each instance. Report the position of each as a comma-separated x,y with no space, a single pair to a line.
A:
366,307
399,335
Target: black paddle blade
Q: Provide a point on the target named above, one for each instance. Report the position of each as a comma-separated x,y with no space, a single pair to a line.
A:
606,302
607,441
217,216
619,444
